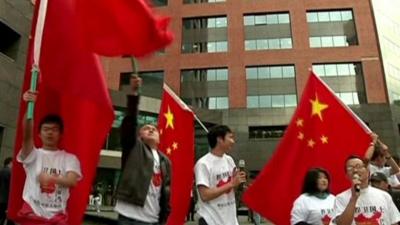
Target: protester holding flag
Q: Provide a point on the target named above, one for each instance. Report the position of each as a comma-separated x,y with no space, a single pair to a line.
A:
379,155
50,172
315,204
144,189
361,203
216,178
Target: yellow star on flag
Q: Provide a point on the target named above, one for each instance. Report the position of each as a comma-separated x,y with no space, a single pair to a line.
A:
300,136
170,119
299,122
317,107
175,145
169,150
324,139
311,143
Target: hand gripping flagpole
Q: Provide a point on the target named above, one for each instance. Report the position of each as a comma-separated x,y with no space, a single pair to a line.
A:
37,44
135,70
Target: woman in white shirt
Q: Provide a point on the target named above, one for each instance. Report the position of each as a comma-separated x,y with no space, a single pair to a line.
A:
315,204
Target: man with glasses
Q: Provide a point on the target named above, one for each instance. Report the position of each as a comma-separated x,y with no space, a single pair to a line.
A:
363,204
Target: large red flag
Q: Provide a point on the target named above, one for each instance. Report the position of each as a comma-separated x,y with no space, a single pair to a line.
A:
122,27
72,84
176,126
323,132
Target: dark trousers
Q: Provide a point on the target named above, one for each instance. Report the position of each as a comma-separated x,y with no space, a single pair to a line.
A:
202,221
123,220
3,215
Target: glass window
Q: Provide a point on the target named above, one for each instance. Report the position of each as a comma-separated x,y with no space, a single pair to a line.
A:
288,71
260,19
252,101
315,42
290,101
265,101
283,18
347,15
343,69
323,16
221,22
312,17
262,44
352,69
272,19
319,70
273,43
326,41
212,102
347,98
335,16
278,101
210,22
222,74
251,73
222,102
276,72
249,20
263,72
339,41
355,98
286,43
211,47
222,46
330,70
210,75
250,44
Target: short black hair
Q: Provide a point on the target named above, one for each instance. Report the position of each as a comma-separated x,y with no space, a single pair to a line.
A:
7,161
310,185
364,160
52,119
216,132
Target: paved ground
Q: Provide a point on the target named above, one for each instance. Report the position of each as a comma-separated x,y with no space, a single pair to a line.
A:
108,217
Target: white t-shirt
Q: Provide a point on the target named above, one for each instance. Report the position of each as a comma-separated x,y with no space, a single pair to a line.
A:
373,206
150,211
312,210
47,202
213,171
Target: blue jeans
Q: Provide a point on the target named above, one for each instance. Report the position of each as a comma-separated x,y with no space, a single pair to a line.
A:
123,220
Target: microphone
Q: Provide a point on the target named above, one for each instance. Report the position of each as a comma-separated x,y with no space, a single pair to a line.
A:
242,165
357,186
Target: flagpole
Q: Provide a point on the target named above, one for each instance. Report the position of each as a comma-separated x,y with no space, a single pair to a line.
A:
135,69
37,44
201,124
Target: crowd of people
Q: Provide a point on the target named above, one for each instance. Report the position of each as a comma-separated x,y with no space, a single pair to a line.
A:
370,199
143,192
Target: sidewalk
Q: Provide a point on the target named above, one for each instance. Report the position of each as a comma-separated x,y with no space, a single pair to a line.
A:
107,216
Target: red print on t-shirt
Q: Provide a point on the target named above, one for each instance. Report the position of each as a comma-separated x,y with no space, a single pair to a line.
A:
157,179
361,219
222,183
326,220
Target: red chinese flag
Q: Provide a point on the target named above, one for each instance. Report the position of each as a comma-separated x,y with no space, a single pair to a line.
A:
122,27
72,84
322,133
176,126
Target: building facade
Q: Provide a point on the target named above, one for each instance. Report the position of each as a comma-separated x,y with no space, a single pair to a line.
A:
245,63
15,24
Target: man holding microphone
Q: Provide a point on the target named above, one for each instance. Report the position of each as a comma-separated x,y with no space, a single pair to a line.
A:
363,204
216,178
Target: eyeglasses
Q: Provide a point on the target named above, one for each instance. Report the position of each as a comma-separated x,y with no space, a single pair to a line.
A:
357,166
